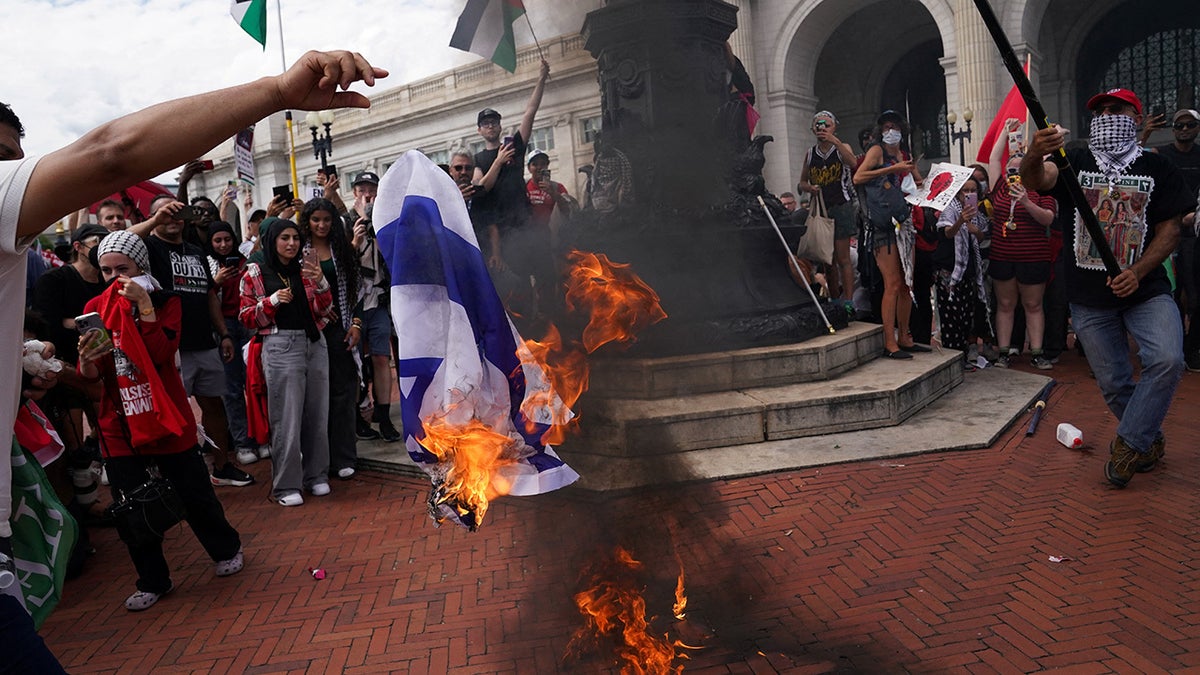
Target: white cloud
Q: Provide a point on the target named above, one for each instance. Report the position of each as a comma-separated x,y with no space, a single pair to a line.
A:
74,64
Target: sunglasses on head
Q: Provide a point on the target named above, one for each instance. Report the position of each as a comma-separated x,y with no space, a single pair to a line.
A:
1186,125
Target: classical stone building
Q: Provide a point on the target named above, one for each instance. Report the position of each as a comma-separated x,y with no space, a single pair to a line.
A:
854,57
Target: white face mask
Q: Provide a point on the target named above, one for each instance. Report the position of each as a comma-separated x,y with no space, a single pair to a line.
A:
892,137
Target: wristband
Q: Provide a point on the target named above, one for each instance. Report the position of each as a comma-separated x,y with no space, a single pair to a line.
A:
147,312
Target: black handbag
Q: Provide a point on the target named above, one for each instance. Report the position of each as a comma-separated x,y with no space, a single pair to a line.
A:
144,514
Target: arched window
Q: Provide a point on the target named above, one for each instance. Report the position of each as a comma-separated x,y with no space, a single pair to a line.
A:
1163,69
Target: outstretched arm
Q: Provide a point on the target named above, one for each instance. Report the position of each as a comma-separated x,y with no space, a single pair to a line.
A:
535,102
147,143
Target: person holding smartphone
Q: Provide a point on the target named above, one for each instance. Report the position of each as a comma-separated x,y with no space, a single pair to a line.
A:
226,263
145,325
1021,257
289,303
960,288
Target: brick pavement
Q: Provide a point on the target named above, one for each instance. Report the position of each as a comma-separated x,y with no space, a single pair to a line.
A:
934,563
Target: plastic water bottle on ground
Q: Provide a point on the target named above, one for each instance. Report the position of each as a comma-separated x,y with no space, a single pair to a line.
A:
1069,435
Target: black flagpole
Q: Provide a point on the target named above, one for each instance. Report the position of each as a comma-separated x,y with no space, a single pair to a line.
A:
1043,398
1066,174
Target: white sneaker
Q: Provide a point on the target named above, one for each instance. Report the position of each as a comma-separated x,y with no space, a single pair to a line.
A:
290,499
246,456
104,475
319,489
264,451
346,472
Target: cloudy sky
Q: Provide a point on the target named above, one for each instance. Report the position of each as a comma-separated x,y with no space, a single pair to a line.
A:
73,64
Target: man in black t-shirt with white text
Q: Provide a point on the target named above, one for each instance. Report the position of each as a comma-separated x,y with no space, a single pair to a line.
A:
182,268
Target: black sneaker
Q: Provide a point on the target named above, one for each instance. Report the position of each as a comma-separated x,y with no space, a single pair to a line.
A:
388,431
231,475
364,431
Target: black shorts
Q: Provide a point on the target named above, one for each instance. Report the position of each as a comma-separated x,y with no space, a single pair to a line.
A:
1027,273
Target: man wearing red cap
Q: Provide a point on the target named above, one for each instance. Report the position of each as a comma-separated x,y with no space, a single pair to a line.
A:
1150,197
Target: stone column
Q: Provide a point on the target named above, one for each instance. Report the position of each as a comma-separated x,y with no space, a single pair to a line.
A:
977,69
742,39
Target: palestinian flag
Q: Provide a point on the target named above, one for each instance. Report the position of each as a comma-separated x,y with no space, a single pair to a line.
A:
486,28
251,15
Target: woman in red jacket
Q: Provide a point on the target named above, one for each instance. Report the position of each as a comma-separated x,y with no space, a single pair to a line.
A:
146,425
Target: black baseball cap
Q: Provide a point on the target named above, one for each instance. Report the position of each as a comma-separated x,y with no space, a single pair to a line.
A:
88,230
365,177
486,113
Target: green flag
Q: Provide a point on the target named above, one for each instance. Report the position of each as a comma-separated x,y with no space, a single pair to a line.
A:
251,15
43,536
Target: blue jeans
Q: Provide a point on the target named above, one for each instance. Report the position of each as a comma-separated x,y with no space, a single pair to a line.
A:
1141,406
235,385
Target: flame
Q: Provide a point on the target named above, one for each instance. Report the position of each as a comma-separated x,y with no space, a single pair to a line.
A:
614,612
620,304
680,606
474,454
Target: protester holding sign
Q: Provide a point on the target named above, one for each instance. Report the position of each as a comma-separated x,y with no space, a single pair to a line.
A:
960,289
146,424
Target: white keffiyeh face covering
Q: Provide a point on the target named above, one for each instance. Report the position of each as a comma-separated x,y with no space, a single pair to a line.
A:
1113,142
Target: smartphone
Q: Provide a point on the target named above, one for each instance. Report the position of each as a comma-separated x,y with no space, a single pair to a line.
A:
231,261
508,140
188,214
546,174
971,200
331,170
284,191
310,257
207,164
92,322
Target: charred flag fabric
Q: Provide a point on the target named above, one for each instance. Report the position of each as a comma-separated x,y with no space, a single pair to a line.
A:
459,354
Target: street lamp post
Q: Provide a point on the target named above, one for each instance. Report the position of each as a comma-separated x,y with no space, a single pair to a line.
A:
955,134
322,144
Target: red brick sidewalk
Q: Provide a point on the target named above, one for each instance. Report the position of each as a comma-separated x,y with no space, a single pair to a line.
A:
934,563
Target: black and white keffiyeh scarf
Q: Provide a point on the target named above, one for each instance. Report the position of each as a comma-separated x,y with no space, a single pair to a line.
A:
1113,142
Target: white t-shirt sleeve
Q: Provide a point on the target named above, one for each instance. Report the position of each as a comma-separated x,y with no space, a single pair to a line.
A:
14,178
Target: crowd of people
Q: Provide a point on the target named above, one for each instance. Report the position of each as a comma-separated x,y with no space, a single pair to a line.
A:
1010,266
985,275
278,332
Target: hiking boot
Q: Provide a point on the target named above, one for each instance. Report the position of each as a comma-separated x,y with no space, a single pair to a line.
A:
1157,449
388,431
1123,462
231,475
363,430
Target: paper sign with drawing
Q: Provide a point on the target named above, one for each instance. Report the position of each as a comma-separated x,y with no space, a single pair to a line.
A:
941,185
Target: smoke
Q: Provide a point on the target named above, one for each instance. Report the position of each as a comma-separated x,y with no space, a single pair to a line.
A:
551,18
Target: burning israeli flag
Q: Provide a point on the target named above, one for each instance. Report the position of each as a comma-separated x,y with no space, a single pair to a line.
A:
474,405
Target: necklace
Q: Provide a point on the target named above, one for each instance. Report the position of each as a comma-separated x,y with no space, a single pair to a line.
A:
287,283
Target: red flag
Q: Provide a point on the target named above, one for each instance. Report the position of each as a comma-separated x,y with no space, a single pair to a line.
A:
1013,107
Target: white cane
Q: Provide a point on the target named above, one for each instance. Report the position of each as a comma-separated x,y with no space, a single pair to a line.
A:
796,264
